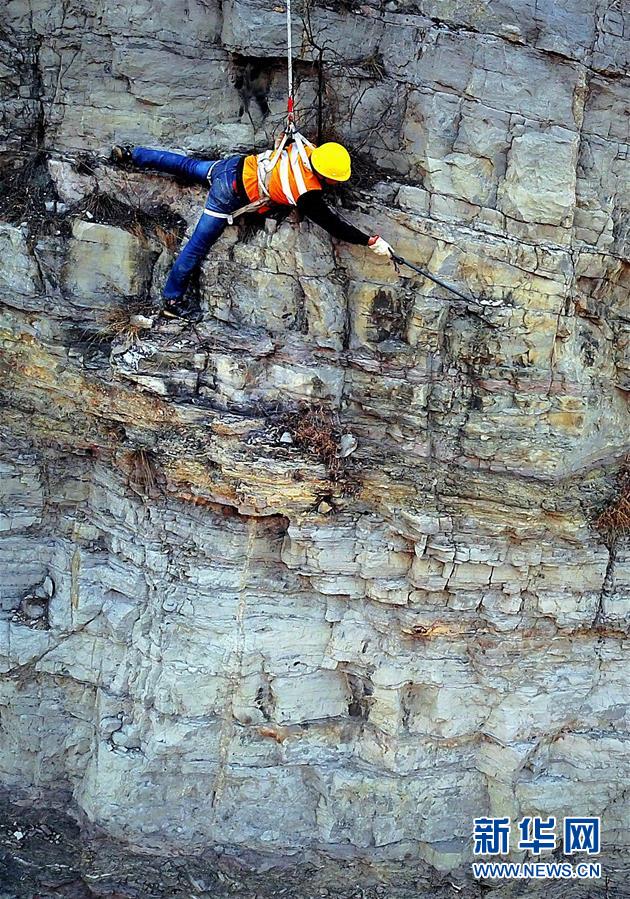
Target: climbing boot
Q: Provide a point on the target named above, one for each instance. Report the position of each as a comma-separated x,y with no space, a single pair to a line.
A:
181,308
121,154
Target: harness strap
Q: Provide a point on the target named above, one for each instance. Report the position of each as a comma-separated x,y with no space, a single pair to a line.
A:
230,216
268,161
302,142
209,175
270,158
294,156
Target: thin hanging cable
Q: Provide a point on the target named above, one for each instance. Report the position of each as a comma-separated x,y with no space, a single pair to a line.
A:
290,122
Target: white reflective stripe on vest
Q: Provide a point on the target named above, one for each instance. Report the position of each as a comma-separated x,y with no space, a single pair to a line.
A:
294,156
284,178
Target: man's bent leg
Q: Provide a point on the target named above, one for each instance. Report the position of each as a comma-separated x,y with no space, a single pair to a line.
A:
224,199
172,163
205,234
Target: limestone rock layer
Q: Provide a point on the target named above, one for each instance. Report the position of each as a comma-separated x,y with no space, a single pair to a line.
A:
213,628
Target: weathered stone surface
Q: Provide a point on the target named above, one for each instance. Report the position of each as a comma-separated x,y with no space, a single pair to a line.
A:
18,271
250,640
103,262
540,192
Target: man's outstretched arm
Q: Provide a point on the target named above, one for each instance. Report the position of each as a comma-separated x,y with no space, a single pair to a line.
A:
312,205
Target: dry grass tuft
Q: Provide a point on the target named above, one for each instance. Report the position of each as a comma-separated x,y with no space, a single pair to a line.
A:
316,430
106,209
159,222
170,238
25,188
143,473
120,322
613,522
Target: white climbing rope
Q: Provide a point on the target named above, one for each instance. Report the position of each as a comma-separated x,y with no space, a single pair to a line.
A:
290,123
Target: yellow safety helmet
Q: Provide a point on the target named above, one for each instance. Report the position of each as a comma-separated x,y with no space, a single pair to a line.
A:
331,161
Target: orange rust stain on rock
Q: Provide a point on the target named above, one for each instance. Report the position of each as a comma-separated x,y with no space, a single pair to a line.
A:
279,734
81,392
572,422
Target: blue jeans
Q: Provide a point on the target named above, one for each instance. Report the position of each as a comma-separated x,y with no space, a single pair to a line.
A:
223,197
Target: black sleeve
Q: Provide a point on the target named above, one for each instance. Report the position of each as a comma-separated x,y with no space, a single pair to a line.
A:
312,205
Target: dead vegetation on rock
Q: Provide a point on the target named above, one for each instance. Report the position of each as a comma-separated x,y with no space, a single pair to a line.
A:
143,472
123,322
613,522
25,189
160,223
316,430
28,195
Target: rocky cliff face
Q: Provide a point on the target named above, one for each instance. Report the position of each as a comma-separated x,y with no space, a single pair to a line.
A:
215,630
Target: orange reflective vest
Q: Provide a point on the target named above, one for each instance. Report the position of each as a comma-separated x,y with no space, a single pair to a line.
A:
285,181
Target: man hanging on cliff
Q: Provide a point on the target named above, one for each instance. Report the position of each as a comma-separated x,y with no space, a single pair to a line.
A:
291,175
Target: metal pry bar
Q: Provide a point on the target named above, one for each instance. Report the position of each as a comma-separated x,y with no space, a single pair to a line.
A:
400,260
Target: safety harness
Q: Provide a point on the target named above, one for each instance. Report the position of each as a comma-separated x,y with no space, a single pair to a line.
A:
288,158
